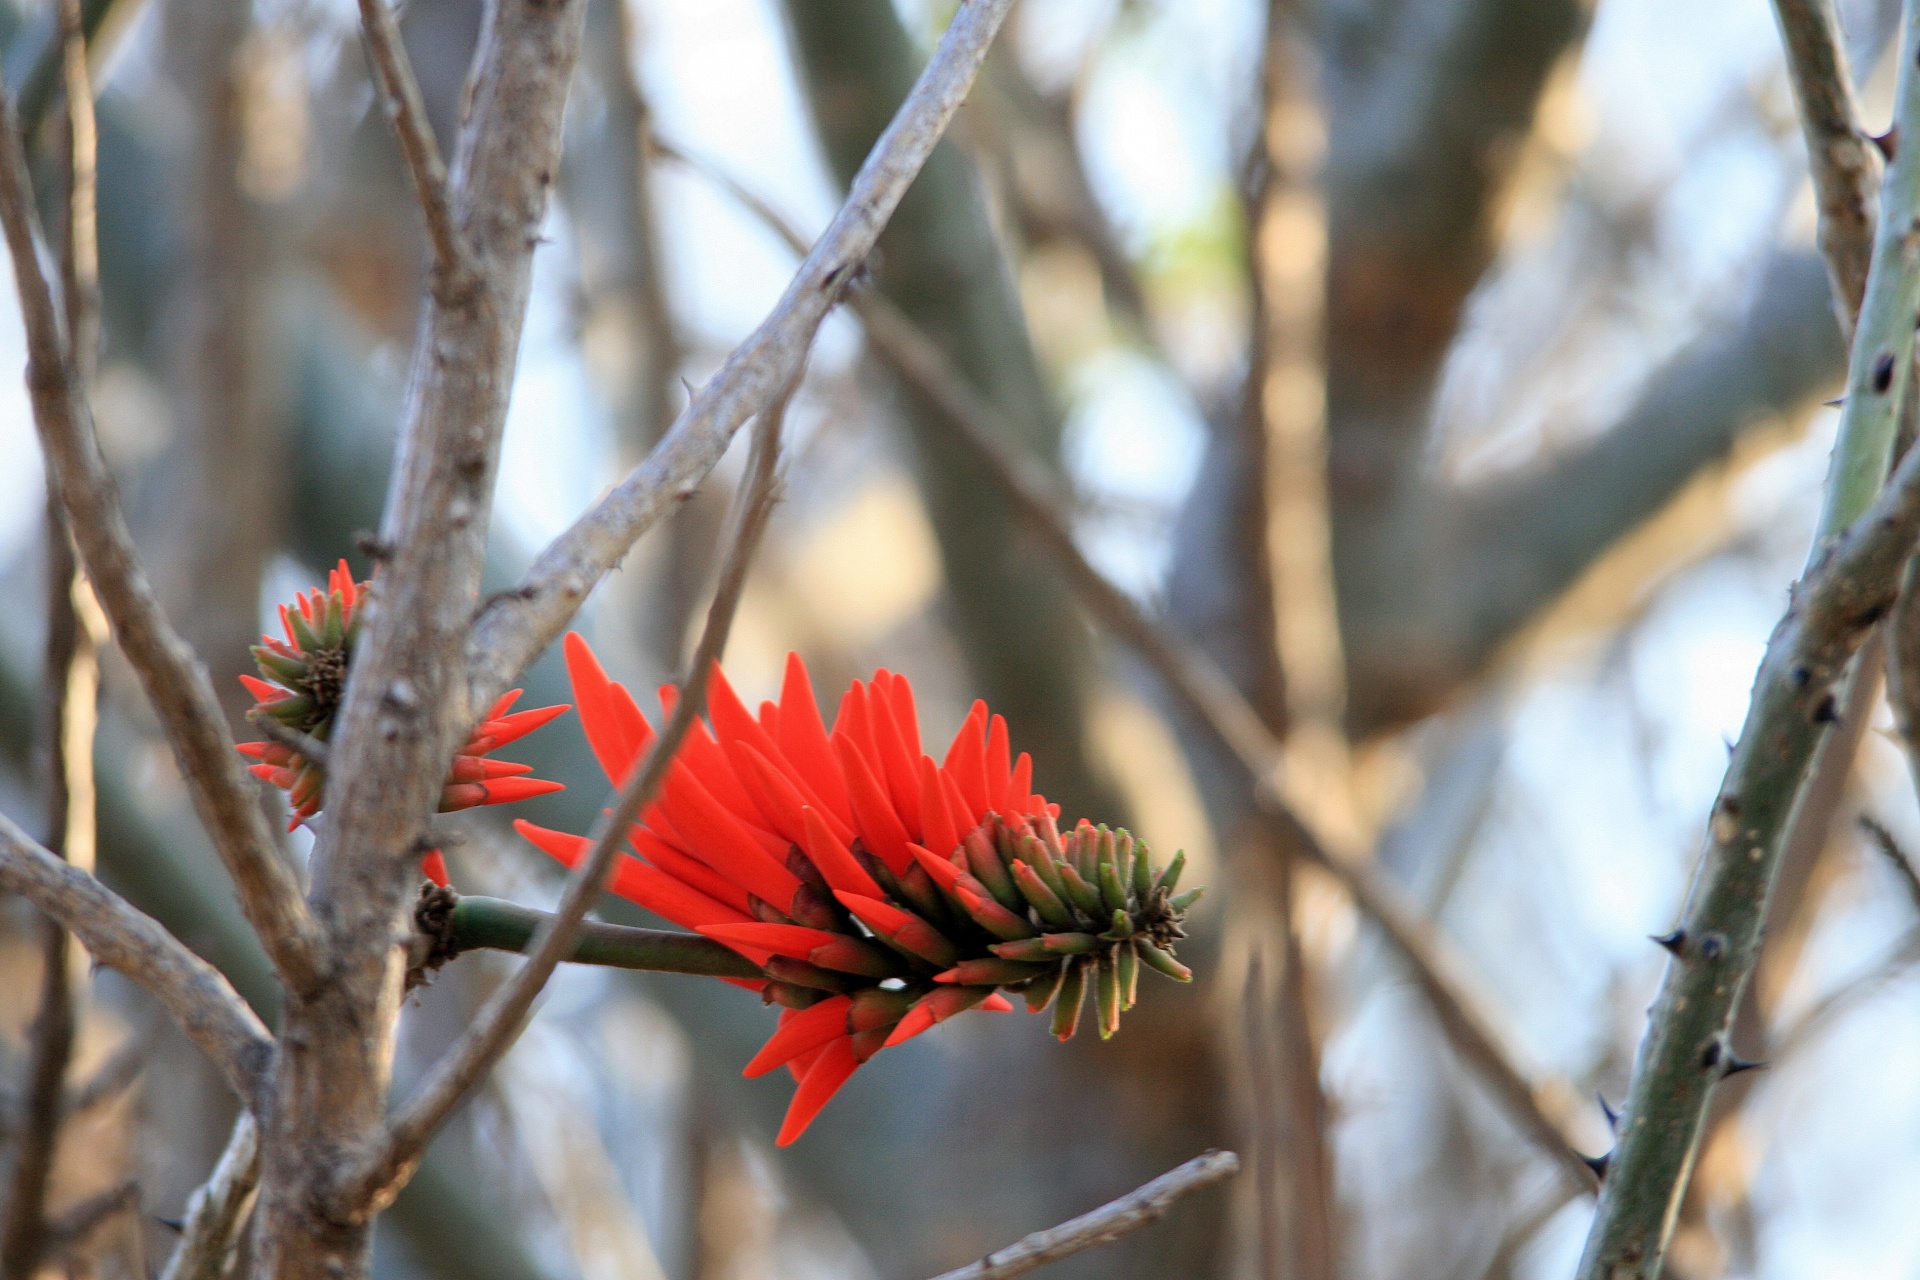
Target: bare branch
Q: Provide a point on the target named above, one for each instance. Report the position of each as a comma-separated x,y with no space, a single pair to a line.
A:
516,626
175,682
206,1007
1104,1225
217,1211
496,1027
1838,157
393,72
70,1229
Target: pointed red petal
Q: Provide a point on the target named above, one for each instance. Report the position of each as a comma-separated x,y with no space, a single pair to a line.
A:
701,756
770,719
803,739
796,941
804,1031
959,812
607,712
1020,788
997,1003
902,778
253,750
503,704
937,830
500,730
879,826
999,750
469,795
967,762
434,868
833,859
261,690
905,716
689,871
823,1079
944,873
918,1019
635,881
720,840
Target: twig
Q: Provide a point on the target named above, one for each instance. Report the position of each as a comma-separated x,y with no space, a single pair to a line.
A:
72,684
475,923
217,1211
1838,157
495,1028
69,1229
1896,856
199,999
1104,1225
1849,586
113,1077
400,91
1196,681
175,682
514,627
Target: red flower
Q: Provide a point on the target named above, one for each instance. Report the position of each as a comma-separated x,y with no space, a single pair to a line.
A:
880,892
304,677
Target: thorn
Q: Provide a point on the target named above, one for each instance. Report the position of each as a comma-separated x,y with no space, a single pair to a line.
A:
171,1224
1711,1055
1599,1164
1735,1065
1887,142
1827,712
1671,943
1606,1109
1835,403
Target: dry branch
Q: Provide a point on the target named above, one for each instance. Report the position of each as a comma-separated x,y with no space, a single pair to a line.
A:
516,626
217,1211
175,682
1104,1225
206,1007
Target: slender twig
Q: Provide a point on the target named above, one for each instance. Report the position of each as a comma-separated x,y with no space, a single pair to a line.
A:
474,923
192,991
72,685
1838,157
497,1025
175,682
1850,585
1206,691
516,626
113,1077
218,1209
400,91
1104,1225
70,1229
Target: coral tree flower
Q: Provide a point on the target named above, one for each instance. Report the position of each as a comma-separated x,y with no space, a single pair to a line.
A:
302,678
880,892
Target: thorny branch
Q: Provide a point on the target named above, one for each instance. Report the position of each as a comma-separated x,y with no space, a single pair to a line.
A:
1207,692
217,1211
192,991
175,682
1104,1225
498,1024
516,626
1838,157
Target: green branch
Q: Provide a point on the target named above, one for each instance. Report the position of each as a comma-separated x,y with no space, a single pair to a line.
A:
1859,550
493,924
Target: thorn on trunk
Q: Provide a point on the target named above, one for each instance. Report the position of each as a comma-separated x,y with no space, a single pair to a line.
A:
1735,1065
1671,943
1888,142
1606,1109
1828,712
1599,1164
1834,403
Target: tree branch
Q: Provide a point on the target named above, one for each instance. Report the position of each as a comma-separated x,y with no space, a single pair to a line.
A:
498,1024
202,1002
516,626
175,682
1104,1225
218,1209
1850,586
1838,158
400,92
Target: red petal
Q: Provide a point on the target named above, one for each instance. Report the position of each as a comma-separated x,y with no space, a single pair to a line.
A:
770,719
999,750
944,873
961,813
689,871
803,739
900,700
967,762
607,712
434,868
503,704
824,1078
794,940
469,795
780,795
635,881
882,917
701,756
252,750
834,860
997,1003
806,1030
902,779
498,731
936,828
720,840
1020,789
918,1019
880,827
262,691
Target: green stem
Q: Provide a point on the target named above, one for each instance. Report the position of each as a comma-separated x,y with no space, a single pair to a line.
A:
497,925
1802,682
